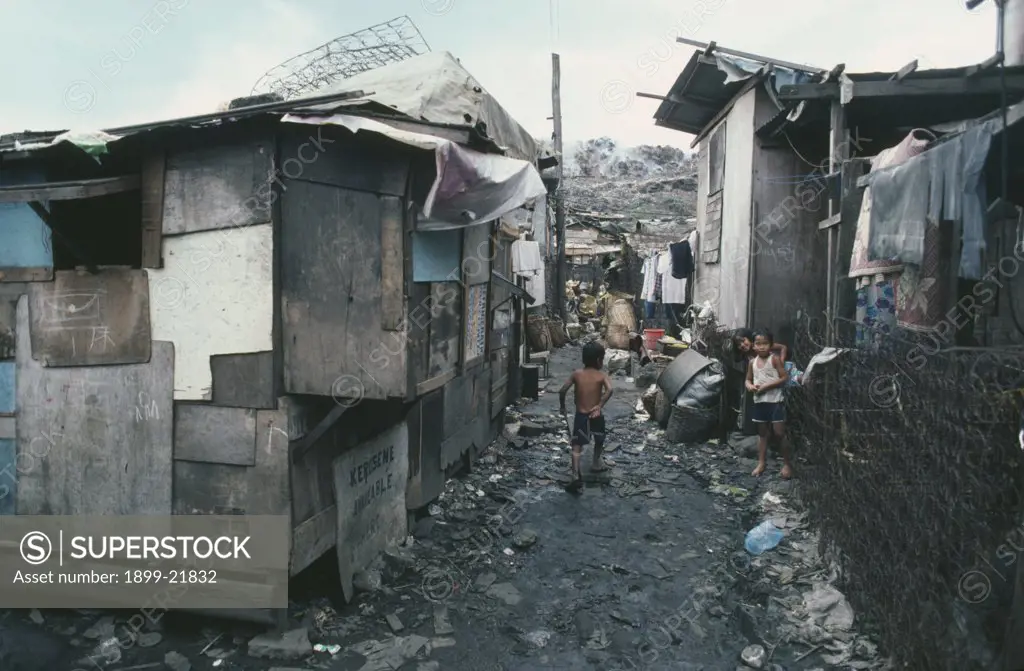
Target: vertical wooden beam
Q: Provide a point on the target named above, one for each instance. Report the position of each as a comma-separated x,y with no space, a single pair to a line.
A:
392,265
153,168
839,151
556,112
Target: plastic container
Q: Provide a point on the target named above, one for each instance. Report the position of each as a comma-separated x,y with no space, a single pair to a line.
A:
762,538
651,338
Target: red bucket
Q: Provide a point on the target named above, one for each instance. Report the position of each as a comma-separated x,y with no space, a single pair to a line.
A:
651,338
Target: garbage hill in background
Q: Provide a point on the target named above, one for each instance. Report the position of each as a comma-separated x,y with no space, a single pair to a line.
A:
646,182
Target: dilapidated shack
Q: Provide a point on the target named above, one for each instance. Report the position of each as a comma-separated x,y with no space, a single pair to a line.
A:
282,309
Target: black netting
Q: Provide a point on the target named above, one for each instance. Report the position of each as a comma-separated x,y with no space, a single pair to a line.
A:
913,476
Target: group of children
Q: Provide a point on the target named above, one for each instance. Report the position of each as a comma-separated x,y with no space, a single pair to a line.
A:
766,376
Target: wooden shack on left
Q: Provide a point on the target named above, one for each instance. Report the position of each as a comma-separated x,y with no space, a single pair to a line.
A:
235,313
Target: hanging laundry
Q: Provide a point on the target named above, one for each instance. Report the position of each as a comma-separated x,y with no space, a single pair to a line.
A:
912,145
682,259
528,264
673,290
658,276
526,257
876,308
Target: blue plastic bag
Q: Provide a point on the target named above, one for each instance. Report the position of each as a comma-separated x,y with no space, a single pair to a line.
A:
762,538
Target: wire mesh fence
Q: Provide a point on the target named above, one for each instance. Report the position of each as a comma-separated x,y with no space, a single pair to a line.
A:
912,473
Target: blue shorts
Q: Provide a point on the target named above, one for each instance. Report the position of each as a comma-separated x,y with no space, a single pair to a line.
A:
584,428
766,413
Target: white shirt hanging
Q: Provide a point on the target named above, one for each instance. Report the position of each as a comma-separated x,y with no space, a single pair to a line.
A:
672,290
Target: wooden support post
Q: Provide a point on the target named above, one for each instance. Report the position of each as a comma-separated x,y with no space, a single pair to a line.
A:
556,112
153,172
839,151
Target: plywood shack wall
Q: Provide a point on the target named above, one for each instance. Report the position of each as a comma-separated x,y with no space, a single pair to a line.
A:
214,294
723,278
789,253
344,232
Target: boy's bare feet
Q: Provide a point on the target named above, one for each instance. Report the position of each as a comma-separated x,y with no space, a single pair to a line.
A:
600,465
787,472
758,471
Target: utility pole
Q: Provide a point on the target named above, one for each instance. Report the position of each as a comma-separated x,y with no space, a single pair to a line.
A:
556,113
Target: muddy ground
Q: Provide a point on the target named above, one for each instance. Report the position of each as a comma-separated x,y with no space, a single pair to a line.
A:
507,571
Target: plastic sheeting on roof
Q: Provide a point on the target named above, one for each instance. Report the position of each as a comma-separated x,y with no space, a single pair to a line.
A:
436,88
93,142
737,69
470,187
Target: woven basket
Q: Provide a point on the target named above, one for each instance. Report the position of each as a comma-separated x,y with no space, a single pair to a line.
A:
556,329
618,336
621,313
690,425
537,333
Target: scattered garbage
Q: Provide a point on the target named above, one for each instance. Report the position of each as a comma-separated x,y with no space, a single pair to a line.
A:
762,538
754,656
616,360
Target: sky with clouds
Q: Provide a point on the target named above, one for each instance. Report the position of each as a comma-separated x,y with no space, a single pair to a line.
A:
106,63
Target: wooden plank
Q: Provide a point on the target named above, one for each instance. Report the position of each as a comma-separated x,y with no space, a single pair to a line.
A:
392,265
218,187
984,66
301,447
243,380
314,154
711,46
834,220
261,489
839,151
948,86
905,70
477,254
84,450
428,480
153,174
369,487
433,383
86,188
14,274
332,295
91,320
445,328
215,435
313,539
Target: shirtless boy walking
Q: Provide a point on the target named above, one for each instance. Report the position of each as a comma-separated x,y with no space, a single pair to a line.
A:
591,388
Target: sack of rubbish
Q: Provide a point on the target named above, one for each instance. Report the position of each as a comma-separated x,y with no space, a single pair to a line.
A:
696,410
704,389
616,359
762,538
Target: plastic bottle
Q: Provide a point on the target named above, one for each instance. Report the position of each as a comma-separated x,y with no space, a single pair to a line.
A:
763,537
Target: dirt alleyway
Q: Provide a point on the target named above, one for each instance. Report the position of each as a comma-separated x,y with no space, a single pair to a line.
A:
507,571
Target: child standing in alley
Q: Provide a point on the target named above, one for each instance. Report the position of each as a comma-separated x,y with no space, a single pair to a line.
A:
592,388
766,374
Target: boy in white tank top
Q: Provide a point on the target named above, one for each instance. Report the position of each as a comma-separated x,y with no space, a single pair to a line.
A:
766,374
